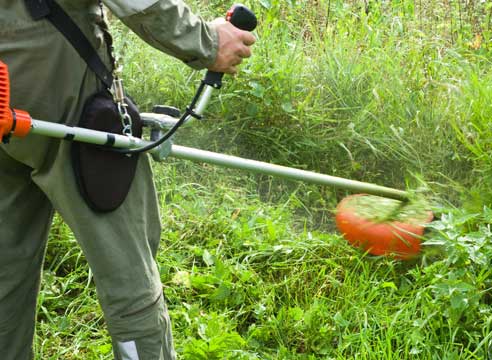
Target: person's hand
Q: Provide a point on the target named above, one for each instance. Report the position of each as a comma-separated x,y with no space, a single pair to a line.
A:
233,47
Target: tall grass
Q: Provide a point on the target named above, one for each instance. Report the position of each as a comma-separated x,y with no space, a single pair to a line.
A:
395,92
371,96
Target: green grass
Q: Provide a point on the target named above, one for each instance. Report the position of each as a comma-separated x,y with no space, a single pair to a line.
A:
246,279
252,266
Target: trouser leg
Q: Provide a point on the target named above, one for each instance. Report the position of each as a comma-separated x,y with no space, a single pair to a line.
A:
120,247
25,217
50,81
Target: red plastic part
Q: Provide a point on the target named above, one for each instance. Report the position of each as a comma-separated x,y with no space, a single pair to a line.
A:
7,115
5,112
229,13
23,123
398,239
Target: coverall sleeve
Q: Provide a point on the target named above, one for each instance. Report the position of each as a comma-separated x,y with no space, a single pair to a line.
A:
170,26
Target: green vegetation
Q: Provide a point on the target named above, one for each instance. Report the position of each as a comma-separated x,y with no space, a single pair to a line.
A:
393,92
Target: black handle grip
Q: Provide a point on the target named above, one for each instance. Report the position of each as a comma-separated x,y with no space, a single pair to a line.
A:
242,18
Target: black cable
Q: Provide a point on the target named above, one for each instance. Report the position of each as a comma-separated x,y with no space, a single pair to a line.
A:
189,112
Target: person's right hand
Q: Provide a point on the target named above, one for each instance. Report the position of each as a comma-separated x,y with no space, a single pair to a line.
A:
234,46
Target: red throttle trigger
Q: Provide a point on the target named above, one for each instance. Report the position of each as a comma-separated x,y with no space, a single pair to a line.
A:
12,122
229,13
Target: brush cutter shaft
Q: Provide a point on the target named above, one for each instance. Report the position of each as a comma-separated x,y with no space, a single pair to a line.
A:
234,162
60,131
122,141
203,101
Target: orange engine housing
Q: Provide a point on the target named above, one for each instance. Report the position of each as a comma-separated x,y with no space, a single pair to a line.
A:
12,122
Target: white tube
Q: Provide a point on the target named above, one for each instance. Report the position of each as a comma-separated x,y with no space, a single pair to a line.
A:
61,131
95,137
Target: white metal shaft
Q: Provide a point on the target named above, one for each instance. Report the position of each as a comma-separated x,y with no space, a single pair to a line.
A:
201,104
95,137
235,162
61,131
204,100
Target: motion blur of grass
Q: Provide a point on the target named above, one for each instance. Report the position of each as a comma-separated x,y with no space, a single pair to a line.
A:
393,92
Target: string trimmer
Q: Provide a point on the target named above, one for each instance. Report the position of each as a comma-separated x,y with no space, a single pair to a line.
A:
377,237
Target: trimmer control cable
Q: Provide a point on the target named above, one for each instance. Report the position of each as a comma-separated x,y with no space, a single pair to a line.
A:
239,16
189,112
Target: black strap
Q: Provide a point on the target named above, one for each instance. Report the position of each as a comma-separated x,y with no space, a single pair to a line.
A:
53,12
37,8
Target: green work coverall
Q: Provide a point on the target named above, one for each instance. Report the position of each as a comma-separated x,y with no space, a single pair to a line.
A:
50,81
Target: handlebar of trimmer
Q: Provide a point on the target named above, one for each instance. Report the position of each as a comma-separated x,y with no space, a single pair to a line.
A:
242,18
19,123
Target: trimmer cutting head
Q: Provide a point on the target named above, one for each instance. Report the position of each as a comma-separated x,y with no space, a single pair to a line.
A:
382,226
12,122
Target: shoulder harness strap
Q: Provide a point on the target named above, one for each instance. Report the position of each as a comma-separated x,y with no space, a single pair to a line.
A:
53,12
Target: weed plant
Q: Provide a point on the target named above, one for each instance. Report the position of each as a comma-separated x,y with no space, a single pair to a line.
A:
393,92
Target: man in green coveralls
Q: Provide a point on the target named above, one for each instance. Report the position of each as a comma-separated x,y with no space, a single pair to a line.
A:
51,81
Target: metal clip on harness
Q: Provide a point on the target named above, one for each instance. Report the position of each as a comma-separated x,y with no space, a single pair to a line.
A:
188,114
